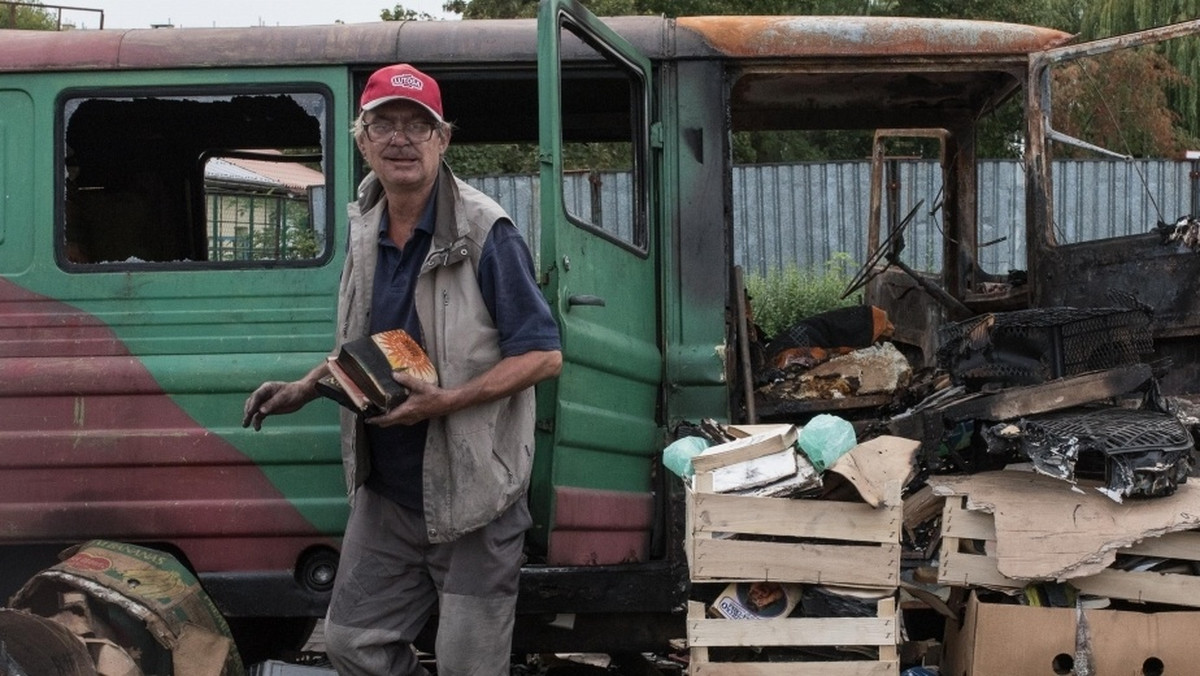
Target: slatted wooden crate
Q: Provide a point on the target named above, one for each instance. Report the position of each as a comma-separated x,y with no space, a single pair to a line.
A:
878,632
963,563
732,537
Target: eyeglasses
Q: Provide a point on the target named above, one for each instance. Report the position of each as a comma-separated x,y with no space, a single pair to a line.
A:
416,131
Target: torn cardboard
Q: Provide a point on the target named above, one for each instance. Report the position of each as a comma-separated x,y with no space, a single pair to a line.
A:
135,600
1047,530
879,468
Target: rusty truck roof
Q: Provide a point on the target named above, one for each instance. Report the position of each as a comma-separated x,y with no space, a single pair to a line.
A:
509,40
851,36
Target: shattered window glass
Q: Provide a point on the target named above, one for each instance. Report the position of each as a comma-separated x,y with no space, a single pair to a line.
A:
230,179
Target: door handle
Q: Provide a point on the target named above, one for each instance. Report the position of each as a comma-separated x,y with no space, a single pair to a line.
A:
585,299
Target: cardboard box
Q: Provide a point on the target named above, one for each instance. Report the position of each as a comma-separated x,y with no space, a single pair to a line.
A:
1005,639
135,600
1039,529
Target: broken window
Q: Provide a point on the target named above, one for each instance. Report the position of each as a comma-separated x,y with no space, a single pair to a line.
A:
207,177
1116,142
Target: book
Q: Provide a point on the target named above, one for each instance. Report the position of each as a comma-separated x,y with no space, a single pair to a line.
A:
756,441
360,375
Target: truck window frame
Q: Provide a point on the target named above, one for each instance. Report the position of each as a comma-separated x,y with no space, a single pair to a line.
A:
312,99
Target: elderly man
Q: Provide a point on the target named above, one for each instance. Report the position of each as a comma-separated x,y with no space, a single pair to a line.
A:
438,484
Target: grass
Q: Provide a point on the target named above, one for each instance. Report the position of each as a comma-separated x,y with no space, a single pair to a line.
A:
785,296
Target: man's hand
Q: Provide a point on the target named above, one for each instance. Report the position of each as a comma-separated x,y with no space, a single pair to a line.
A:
275,397
425,400
509,376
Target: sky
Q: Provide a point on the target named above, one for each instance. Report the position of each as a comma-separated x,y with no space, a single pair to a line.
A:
232,13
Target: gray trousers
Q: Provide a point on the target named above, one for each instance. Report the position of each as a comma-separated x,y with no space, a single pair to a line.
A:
391,580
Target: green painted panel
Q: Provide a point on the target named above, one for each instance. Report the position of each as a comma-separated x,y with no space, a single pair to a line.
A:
207,335
602,286
16,180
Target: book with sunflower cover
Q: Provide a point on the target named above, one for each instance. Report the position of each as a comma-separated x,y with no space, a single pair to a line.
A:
360,376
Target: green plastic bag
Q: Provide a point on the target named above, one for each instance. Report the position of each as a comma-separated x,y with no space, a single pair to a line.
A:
678,456
825,439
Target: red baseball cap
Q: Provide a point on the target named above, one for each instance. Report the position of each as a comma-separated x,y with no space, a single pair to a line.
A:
402,81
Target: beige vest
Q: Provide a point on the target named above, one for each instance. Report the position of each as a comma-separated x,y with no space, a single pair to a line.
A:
477,461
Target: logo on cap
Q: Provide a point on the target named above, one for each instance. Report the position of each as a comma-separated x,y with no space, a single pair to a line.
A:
408,81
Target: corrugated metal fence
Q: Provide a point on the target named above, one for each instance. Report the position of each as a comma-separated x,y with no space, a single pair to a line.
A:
804,214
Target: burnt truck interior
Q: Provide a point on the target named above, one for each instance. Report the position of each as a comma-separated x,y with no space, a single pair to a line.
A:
943,105
912,108
1083,362
1134,270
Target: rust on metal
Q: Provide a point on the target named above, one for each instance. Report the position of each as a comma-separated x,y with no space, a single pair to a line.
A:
867,36
198,47
380,42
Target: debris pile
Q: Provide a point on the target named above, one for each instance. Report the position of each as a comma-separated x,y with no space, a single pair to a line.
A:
800,529
1048,486
839,360
1183,233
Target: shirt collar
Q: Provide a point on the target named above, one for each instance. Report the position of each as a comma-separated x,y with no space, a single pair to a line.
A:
426,223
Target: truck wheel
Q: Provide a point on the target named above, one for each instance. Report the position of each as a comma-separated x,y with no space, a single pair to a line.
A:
317,569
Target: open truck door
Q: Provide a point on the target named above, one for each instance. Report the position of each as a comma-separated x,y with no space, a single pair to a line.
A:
592,488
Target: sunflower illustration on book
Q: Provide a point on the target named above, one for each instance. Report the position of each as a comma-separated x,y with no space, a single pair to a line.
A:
361,374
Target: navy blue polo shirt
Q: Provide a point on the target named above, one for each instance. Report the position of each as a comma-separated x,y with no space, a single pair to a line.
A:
512,297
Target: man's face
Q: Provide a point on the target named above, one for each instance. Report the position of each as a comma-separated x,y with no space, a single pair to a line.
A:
400,162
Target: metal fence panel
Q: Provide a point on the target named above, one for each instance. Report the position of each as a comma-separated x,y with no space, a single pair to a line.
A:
805,214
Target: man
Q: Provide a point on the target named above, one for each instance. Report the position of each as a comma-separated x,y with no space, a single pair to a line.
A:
438,484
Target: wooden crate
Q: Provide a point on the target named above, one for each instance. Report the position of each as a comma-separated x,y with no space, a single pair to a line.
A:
823,541
880,632
961,563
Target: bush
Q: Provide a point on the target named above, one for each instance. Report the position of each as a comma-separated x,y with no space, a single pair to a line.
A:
784,297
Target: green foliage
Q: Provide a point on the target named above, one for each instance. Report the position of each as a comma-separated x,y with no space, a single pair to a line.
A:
784,297
765,147
1119,101
402,13
27,18
493,9
493,160
1103,18
301,243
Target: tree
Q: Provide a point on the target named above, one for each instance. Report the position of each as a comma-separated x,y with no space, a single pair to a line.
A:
493,9
1119,101
402,13
1103,18
27,17
1012,11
